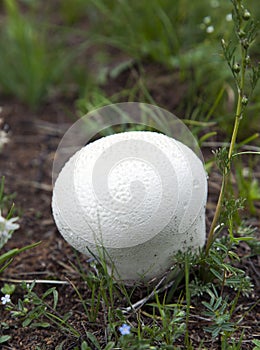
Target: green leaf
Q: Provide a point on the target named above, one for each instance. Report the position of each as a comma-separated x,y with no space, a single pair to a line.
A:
8,289
4,338
20,305
8,255
13,252
84,346
93,340
207,136
216,274
257,343
208,306
40,325
233,255
27,322
120,68
5,265
110,345
216,260
218,302
48,292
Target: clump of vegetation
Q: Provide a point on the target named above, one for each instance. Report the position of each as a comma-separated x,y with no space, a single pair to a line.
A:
30,65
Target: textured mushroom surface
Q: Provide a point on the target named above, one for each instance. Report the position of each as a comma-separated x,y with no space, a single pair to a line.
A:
140,195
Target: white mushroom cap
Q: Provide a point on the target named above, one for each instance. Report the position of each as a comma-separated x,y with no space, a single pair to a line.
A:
139,195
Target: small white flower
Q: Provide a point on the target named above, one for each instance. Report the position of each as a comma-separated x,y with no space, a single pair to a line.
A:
229,17
6,228
8,225
207,20
3,138
6,299
210,29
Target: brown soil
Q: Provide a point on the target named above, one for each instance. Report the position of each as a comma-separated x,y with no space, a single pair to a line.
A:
26,163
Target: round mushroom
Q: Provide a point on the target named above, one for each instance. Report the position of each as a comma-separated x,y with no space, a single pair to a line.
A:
137,198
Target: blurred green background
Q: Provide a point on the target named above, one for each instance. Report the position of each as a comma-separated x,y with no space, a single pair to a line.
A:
79,49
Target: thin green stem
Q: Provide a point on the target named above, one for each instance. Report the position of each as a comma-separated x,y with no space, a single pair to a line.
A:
226,175
216,215
61,323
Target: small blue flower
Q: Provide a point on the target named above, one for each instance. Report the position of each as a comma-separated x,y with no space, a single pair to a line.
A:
124,329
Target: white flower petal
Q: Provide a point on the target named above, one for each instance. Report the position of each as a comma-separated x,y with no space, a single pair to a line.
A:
210,29
229,17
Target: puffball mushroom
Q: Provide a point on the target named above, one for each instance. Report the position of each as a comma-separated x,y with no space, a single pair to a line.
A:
138,196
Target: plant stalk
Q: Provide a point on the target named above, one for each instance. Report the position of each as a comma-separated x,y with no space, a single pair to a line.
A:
226,175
